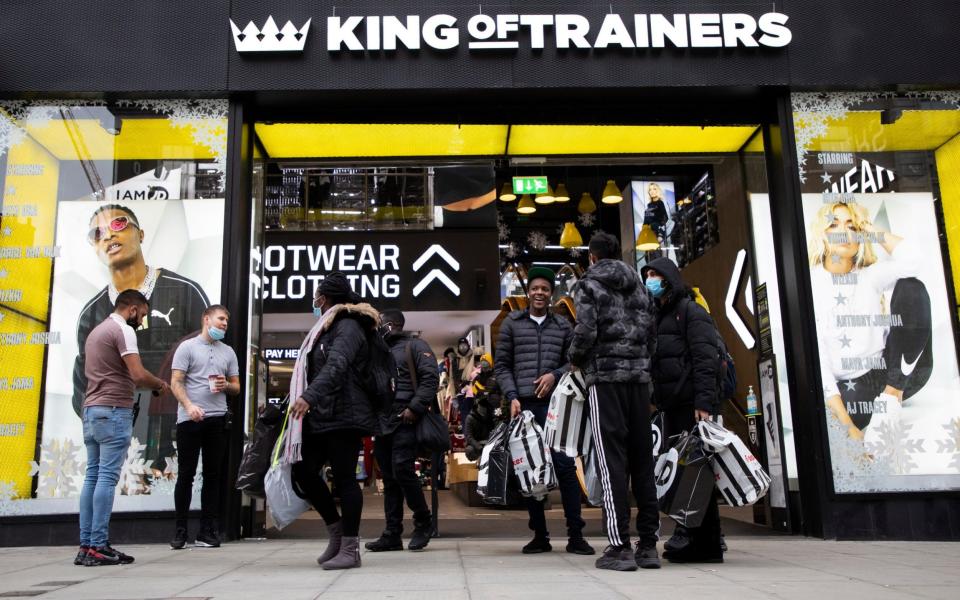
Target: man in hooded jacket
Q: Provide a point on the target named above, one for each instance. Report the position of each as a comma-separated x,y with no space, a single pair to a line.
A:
613,341
686,387
396,447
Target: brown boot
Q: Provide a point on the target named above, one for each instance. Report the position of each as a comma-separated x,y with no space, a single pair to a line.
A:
348,557
335,535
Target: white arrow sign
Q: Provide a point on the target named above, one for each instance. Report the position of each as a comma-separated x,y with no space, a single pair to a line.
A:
438,250
440,276
738,325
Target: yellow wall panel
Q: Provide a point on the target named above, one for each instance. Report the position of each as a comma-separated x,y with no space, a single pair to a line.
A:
948,172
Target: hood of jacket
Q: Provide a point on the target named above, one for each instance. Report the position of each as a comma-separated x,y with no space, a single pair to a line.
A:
614,274
367,315
677,288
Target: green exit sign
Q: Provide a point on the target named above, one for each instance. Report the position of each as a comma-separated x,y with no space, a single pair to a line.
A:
529,185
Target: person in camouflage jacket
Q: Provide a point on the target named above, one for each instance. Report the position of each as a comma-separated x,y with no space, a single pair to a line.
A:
613,340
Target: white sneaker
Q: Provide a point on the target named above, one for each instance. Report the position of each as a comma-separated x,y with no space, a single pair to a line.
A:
886,416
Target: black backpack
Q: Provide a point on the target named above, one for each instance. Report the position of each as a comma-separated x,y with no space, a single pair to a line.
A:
379,379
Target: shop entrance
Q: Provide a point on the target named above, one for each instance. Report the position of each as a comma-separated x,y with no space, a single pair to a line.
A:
445,221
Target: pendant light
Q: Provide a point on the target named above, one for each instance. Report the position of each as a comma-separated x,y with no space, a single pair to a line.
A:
611,193
647,240
526,205
545,197
586,205
570,238
506,193
561,194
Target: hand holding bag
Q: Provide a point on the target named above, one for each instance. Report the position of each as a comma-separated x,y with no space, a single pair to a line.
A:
738,473
532,460
567,428
284,504
258,452
494,469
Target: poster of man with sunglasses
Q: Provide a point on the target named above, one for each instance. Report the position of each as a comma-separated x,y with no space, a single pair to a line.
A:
176,306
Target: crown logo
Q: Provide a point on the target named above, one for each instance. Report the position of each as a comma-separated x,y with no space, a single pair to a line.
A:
270,38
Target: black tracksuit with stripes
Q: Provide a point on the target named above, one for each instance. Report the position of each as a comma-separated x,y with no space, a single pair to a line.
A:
612,343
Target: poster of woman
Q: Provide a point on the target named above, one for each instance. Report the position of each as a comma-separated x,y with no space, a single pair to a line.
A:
888,359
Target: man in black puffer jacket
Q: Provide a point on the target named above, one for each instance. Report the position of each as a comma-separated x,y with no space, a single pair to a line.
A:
685,376
612,344
396,450
531,356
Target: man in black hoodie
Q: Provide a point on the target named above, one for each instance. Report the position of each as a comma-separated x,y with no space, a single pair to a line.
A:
685,381
612,344
396,452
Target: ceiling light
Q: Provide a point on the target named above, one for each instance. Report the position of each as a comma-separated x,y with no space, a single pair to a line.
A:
545,197
526,205
647,240
586,205
506,193
561,194
611,193
570,238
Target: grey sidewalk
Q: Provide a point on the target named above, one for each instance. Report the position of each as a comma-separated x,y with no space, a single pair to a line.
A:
451,569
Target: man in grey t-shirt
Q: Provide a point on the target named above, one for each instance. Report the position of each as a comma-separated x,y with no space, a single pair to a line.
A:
205,370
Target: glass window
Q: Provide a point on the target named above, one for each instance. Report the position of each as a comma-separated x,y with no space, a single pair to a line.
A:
98,198
880,176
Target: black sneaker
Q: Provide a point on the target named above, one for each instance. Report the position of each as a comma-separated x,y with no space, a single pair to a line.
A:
99,557
646,556
81,554
421,537
385,543
617,559
578,545
179,539
538,545
207,539
678,541
125,559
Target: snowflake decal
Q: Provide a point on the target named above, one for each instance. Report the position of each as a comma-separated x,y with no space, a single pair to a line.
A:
205,119
895,446
9,504
8,491
952,443
575,252
503,230
587,220
161,486
537,240
59,470
512,250
134,470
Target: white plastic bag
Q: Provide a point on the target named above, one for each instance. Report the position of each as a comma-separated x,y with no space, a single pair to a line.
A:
284,505
567,428
532,461
591,479
740,478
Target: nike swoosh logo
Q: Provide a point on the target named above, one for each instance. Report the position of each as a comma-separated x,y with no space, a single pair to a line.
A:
908,368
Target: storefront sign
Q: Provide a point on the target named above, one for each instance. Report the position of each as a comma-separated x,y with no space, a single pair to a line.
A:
439,270
486,32
281,353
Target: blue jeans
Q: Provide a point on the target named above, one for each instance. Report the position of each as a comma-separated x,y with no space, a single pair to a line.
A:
566,469
106,434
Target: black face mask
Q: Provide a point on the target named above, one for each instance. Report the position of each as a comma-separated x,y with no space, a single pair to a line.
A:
464,349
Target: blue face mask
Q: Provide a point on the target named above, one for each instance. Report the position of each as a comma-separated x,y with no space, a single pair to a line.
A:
317,311
216,334
655,286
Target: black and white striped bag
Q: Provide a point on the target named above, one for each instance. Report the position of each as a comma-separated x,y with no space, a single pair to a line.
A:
493,472
740,478
532,461
567,427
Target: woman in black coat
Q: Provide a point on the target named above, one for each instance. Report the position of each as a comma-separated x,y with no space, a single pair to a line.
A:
337,413
686,388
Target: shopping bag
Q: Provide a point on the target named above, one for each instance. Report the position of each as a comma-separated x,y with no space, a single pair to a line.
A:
433,433
591,478
257,452
739,476
493,474
656,428
684,479
567,428
531,458
284,505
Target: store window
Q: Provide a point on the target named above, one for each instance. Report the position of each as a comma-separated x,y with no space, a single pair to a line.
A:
880,174
96,198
